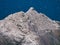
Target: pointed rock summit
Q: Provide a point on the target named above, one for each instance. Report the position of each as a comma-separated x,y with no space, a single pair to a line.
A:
32,8
30,28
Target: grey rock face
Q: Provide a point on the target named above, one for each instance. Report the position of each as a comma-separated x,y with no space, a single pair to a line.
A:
30,28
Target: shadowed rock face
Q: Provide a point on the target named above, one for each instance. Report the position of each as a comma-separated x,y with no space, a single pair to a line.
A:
30,28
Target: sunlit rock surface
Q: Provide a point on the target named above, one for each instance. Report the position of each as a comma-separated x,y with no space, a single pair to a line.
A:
29,28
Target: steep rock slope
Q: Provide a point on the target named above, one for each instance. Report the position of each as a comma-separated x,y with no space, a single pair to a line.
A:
30,28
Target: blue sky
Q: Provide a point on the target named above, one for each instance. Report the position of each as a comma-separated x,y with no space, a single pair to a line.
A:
49,7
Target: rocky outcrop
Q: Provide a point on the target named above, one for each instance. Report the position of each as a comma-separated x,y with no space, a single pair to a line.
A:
30,28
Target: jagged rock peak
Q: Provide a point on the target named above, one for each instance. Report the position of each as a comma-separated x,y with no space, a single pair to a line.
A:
30,28
40,20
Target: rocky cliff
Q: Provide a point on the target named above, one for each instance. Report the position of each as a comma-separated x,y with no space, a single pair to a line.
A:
29,28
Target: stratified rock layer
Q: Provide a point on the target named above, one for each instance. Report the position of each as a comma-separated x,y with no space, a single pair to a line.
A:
30,28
